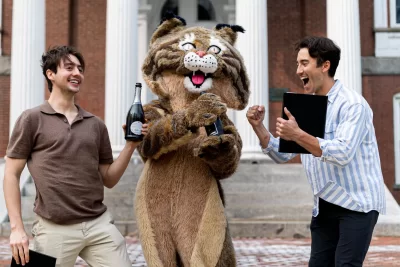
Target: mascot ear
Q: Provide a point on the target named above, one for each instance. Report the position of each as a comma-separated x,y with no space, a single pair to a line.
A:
170,23
228,32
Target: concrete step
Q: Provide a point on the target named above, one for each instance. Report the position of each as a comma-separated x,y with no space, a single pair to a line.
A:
254,191
270,212
27,208
29,189
262,200
241,228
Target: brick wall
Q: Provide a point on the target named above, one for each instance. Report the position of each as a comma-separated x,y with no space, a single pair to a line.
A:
57,26
4,113
83,25
5,80
7,27
367,27
379,92
89,36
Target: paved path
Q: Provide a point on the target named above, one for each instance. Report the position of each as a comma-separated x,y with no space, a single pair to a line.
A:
262,252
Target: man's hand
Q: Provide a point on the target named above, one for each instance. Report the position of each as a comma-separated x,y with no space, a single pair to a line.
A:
145,130
255,115
19,243
288,129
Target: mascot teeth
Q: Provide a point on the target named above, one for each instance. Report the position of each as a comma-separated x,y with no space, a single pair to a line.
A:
206,64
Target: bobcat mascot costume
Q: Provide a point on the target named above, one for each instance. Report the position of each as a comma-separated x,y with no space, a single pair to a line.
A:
179,203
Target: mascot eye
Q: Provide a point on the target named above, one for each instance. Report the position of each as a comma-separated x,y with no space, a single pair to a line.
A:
188,46
214,49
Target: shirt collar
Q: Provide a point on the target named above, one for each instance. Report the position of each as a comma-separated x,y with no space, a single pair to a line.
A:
48,109
332,94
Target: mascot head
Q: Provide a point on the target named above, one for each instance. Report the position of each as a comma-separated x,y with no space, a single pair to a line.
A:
182,62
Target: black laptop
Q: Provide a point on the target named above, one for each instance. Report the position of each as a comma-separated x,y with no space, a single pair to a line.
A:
37,259
310,114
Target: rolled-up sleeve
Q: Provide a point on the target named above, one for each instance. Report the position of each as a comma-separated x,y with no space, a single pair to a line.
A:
348,136
272,151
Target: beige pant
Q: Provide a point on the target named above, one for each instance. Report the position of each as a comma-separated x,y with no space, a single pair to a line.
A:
98,242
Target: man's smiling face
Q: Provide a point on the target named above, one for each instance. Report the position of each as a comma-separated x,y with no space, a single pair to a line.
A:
69,76
308,71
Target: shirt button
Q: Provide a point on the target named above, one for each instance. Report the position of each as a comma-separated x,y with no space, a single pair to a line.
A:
65,120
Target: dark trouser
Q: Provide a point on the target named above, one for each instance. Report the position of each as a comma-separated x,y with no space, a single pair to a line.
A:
340,237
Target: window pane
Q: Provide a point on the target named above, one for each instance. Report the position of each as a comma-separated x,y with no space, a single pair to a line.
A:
170,5
398,11
205,10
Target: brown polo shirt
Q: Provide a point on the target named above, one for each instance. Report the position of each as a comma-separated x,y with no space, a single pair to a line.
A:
63,160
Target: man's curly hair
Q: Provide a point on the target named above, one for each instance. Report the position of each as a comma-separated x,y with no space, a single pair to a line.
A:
52,58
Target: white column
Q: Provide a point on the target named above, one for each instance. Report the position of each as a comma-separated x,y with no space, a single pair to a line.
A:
28,45
253,45
343,22
230,9
142,49
121,66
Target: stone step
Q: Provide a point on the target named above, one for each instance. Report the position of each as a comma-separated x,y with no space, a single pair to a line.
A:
250,199
27,208
125,200
270,212
122,213
29,189
126,188
262,200
242,228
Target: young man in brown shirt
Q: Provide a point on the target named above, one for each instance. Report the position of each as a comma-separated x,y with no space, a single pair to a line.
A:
69,156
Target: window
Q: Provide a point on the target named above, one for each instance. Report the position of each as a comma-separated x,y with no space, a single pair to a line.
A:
387,28
205,10
395,13
170,5
396,123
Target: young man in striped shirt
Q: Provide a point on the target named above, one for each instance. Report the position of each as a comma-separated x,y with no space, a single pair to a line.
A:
343,169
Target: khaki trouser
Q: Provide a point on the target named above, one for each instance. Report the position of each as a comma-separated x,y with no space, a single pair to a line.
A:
98,242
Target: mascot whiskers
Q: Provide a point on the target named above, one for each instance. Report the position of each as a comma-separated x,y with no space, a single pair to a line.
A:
179,202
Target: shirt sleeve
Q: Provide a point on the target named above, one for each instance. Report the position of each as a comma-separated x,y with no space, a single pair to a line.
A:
21,140
105,151
272,151
348,137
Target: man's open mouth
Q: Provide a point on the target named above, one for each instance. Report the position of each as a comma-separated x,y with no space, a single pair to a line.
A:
305,81
198,77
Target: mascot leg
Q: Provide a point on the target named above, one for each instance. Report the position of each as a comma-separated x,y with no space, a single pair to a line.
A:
205,242
227,258
154,225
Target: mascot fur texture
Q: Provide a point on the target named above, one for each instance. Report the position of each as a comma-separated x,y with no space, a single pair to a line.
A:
179,202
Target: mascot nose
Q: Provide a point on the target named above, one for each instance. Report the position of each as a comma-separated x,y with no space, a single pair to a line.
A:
200,53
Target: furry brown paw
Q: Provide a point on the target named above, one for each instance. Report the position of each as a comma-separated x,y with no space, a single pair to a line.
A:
205,110
215,146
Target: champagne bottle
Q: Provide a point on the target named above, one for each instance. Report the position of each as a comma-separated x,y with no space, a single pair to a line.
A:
216,128
135,117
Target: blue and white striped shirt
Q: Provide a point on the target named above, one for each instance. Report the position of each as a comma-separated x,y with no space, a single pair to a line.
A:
348,173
